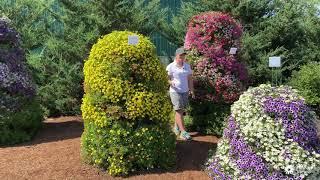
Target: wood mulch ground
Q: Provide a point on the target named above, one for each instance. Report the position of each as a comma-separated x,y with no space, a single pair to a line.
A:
54,153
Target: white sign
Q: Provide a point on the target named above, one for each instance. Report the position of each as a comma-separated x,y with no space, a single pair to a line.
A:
275,61
133,40
233,50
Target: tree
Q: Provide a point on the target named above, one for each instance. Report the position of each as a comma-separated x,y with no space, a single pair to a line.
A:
134,15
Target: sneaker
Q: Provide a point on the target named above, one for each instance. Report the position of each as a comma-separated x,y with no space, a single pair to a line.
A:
185,136
176,130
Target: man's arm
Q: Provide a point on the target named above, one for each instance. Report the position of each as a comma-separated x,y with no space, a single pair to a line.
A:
170,80
190,84
170,77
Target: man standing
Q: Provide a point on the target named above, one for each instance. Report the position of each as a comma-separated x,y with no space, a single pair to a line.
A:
180,80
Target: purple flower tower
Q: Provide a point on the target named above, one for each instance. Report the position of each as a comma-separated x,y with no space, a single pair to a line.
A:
20,114
271,134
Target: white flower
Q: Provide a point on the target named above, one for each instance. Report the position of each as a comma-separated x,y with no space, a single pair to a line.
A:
289,169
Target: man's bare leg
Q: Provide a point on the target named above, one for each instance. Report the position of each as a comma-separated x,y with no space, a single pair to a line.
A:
179,120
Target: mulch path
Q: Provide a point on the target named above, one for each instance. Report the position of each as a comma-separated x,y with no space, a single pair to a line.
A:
54,153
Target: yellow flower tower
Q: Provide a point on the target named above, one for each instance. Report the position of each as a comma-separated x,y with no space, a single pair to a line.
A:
125,107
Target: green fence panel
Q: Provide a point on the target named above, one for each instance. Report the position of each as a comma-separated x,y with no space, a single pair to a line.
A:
164,47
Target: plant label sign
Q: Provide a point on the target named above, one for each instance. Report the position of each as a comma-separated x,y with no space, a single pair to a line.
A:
233,50
275,61
133,40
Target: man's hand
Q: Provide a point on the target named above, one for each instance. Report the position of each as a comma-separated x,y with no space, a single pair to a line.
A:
171,83
192,94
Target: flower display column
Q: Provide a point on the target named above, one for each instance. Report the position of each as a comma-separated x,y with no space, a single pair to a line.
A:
20,114
125,107
271,134
219,77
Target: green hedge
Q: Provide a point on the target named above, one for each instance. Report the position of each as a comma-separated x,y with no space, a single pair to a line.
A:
20,126
307,81
207,117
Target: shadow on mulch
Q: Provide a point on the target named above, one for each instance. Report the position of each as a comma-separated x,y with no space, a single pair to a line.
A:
52,131
191,156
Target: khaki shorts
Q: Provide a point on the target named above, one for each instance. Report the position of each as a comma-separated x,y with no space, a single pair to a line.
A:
179,100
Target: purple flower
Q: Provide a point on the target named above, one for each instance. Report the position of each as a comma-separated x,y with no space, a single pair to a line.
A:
14,76
294,118
246,160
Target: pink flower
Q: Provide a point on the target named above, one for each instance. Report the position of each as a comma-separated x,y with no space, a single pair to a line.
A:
212,34
219,77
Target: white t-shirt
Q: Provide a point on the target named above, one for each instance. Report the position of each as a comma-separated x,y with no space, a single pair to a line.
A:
179,77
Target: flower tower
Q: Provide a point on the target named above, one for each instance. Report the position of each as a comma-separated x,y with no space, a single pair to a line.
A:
20,115
271,134
125,108
219,78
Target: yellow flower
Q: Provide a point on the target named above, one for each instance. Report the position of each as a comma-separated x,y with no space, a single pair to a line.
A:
123,83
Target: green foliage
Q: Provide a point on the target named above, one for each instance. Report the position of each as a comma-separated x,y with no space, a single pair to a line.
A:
19,126
307,81
123,148
57,78
132,15
207,117
125,107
